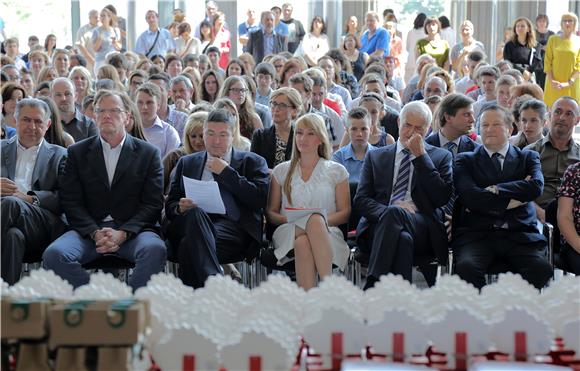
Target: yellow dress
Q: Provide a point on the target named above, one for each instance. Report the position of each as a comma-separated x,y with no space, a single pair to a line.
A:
562,58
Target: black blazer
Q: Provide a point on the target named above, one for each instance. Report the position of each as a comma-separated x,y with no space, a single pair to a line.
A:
49,165
264,144
255,45
135,197
246,178
466,144
431,188
481,209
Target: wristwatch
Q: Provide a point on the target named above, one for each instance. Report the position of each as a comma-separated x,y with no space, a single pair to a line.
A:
35,201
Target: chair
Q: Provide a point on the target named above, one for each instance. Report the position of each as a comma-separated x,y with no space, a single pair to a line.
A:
111,262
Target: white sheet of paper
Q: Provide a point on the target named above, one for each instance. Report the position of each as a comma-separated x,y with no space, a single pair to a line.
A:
295,213
205,194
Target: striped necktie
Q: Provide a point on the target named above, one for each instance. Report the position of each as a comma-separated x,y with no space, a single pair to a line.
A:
451,146
402,183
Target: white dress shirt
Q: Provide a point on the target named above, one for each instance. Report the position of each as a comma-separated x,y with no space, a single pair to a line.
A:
443,142
25,161
111,157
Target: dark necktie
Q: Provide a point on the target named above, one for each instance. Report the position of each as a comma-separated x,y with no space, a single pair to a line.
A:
495,159
451,146
402,183
232,210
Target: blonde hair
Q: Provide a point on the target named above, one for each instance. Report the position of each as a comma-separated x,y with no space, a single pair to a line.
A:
316,123
293,96
194,121
570,15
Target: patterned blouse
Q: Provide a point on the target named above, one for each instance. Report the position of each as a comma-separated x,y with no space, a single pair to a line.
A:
280,151
571,188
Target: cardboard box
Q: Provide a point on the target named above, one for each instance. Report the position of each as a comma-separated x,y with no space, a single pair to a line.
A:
24,318
97,323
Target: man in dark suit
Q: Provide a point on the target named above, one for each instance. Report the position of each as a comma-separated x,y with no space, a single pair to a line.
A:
266,41
400,193
29,182
496,185
112,196
205,240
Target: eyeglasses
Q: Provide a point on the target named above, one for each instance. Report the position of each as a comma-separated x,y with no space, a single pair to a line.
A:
275,105
110,111
238,90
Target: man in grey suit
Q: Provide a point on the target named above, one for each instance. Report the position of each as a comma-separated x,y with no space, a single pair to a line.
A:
29,179
266,41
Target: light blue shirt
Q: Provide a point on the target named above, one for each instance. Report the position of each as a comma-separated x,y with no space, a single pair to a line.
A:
263,99
281,29
145,41
380,40
268,43
163,136
346,157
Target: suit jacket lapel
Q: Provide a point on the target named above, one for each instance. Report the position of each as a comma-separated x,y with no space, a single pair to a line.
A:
9,157
198,167
390,155
510,161
97,161
41,166
126,158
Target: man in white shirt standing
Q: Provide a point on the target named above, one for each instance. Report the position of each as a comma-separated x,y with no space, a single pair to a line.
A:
29,180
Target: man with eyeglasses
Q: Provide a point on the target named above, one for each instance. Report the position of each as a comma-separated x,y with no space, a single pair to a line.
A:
79,126
112,195
29,180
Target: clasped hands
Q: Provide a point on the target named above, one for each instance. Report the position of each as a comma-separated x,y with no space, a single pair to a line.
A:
9,188
513,203
109,240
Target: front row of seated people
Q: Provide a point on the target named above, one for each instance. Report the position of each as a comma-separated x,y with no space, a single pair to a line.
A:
110,188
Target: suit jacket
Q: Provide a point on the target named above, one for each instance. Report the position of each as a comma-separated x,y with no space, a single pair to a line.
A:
255,45
50,162
264,144
466,144
246,178
134,199
481,209
431,188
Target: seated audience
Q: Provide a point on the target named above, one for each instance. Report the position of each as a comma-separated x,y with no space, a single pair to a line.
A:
30,206
400,221
569,218
111,192
159,133
240,142
275,143
74,122
310,180
351,156
557,150
533,117
205,240
192,142
496,185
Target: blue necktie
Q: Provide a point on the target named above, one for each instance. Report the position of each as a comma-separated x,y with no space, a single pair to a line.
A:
402,183
451,146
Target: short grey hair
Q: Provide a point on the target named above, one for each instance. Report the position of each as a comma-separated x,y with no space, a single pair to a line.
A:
61,79
33,103
442,84
180,78
221,115
418,108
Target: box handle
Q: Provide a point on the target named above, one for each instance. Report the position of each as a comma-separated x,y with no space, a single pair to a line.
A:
116,315
73,312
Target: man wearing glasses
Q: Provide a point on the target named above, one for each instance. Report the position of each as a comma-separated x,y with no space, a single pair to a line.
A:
112,195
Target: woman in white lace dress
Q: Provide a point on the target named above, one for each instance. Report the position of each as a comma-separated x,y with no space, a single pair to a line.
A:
310,180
